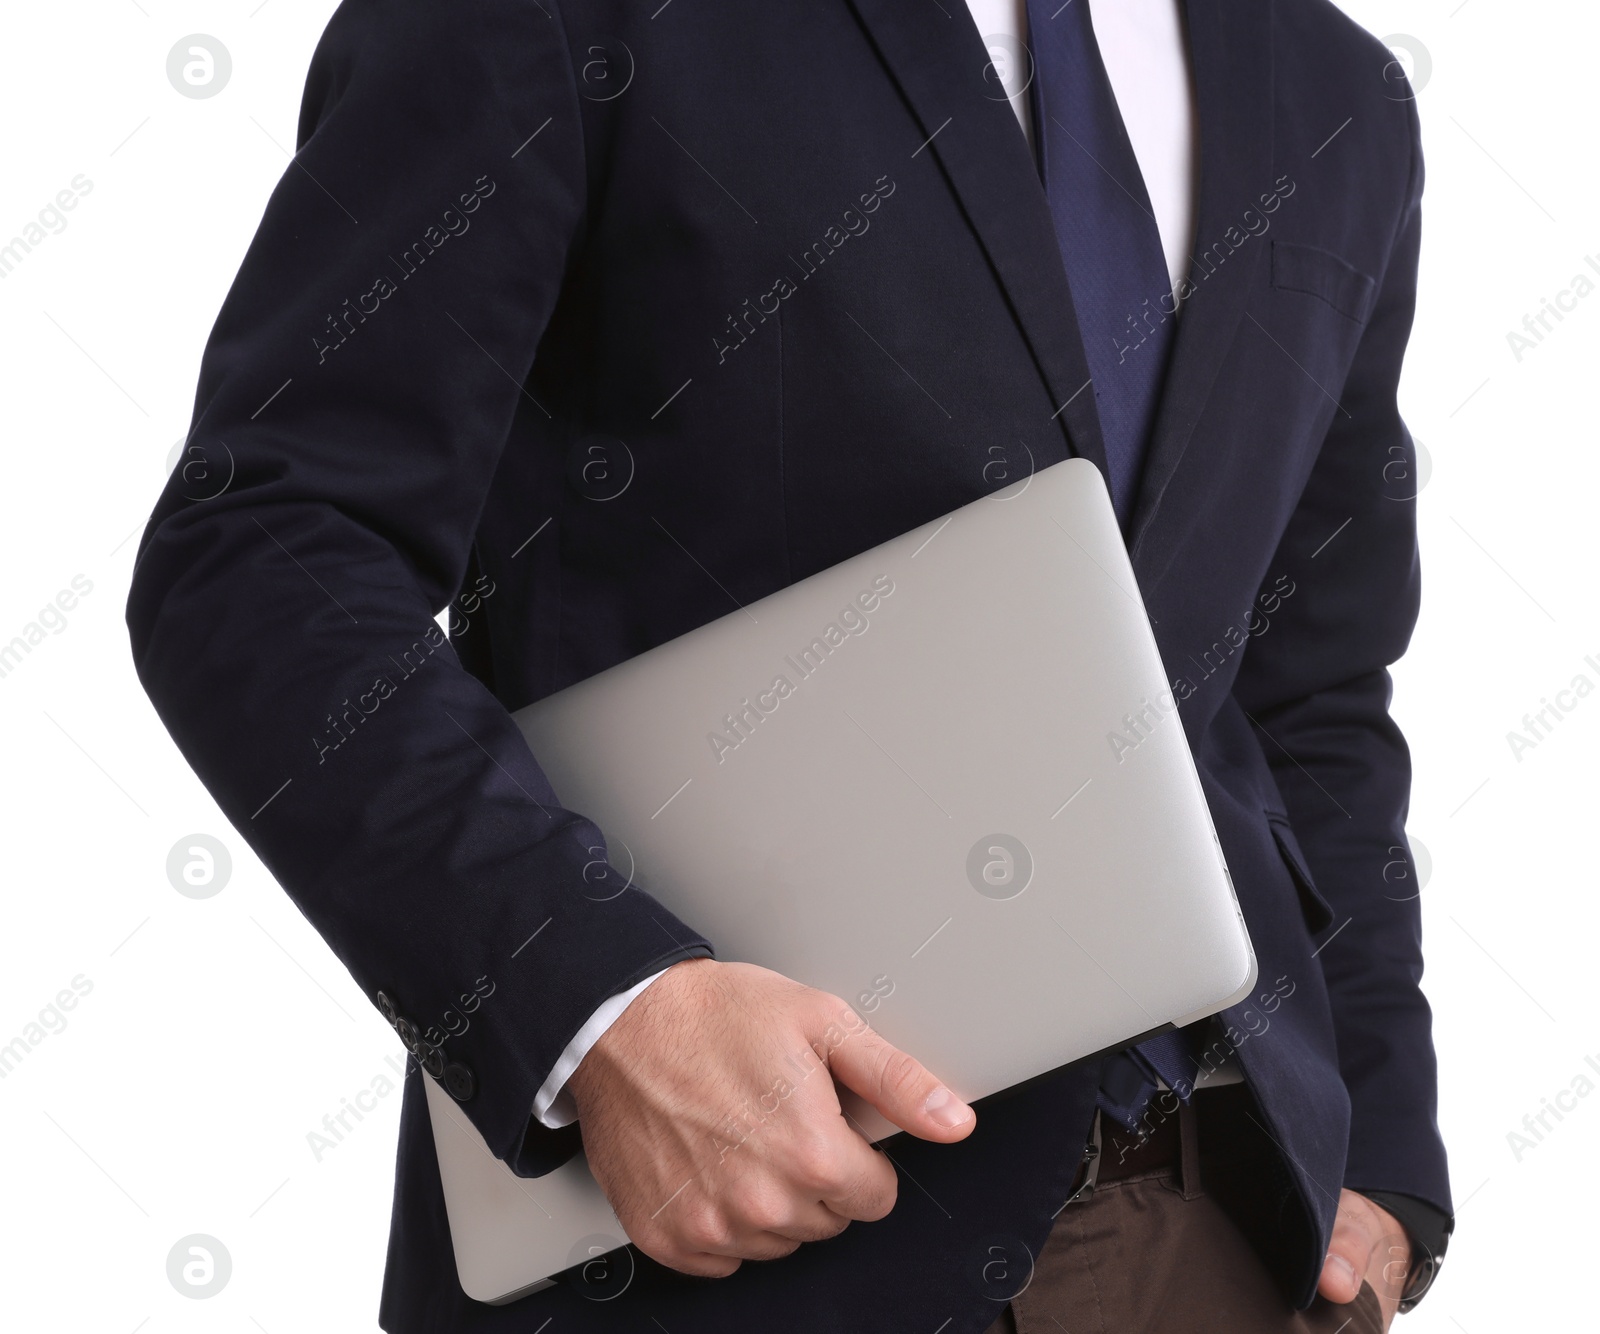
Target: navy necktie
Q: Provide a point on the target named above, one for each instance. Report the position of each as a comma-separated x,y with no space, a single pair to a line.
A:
1118,275
1107,233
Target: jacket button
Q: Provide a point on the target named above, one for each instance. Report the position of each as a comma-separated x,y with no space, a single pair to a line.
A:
459,1081
409,1036
432,1060
387,1007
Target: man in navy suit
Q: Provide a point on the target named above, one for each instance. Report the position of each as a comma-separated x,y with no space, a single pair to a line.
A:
590,323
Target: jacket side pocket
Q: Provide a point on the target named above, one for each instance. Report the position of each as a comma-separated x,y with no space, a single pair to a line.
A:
1318,911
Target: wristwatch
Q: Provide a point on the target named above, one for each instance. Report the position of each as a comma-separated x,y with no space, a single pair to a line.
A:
1428,1230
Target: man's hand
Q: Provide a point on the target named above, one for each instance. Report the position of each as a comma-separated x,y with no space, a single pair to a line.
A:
711,1121
1368,1243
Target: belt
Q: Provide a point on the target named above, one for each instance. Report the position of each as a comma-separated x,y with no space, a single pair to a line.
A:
1114,1154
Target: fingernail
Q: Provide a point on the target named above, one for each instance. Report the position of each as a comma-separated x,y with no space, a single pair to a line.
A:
1343,1268
945,1109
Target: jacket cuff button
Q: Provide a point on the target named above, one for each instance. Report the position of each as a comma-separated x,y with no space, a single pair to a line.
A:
409,1036
432,1060
459,1081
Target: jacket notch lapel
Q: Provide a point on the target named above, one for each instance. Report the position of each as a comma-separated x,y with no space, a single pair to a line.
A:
1230,53
938,60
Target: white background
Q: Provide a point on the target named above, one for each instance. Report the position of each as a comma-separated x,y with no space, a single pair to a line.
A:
219,1032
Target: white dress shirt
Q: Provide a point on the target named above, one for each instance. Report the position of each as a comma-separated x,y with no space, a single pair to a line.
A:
1147,60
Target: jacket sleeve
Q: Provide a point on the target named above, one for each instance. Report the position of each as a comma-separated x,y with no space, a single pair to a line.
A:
1317,689
354,398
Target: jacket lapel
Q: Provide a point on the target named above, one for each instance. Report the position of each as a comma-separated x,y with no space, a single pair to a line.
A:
1230,52
937,59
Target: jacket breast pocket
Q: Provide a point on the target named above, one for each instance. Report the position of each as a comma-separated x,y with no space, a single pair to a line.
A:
1322,274
1318,911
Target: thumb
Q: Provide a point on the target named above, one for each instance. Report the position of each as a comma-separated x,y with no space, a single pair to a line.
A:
1341,1280
1348,1260
896,1084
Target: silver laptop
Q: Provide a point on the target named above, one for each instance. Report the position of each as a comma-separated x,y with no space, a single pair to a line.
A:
945,779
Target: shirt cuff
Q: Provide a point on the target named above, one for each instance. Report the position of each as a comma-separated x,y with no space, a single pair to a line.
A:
552,1105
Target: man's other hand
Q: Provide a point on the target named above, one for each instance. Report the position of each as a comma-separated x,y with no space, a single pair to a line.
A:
1368,1243
711,1121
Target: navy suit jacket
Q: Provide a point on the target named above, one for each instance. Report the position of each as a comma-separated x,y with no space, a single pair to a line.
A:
592,323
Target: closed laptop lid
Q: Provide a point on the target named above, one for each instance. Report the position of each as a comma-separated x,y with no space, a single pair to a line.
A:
945,780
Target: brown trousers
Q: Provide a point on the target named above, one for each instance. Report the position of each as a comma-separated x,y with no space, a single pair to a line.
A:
1154,1251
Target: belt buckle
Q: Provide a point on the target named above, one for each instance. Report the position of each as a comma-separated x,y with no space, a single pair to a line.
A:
1090,1165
